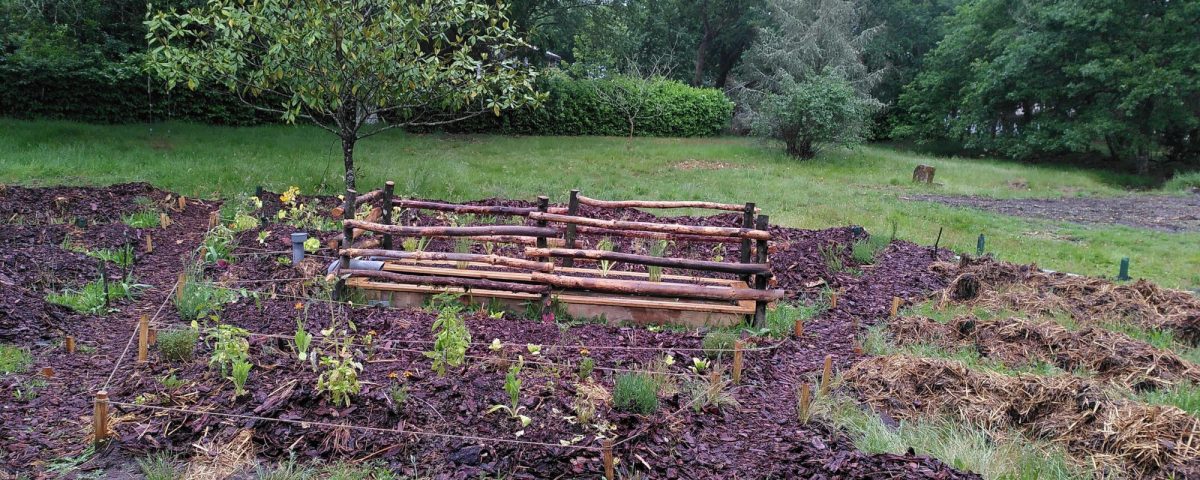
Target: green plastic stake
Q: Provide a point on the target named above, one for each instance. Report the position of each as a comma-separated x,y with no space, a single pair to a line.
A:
979,246
1123,274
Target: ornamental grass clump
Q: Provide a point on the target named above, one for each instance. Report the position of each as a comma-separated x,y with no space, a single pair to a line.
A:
636,393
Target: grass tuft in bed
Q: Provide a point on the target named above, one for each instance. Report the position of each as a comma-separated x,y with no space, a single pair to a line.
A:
781,320
636,392
178,345
14,359
142,219
90,298
718,344
159,466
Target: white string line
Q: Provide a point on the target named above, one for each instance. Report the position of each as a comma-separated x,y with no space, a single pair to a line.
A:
129,343
306,423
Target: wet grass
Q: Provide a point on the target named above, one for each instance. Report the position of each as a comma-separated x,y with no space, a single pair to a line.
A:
862,186
14,359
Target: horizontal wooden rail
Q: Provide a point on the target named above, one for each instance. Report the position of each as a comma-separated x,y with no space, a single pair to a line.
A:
447,281
454,257
655,227
704,265
608,232
657,288
528,241
660,204
473,209
368,197
515,230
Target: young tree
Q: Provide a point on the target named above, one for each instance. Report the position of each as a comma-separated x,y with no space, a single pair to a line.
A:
809,58
352,67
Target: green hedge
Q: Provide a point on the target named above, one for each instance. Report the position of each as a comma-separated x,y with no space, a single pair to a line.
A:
575,108
111,93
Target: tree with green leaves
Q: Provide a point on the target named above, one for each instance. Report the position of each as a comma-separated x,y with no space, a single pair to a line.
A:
352,67
1031,79
807,66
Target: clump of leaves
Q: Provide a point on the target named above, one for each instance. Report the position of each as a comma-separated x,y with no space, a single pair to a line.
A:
142,219
178,345
28,390
91,297
415,244
781,320
229,346
462,245
831,254
605,244
711,394
657,249
218,245
718,344
303,340
340,376
586,365
699,365
398,394
636,392
171,382
238,213
159,466
864,250
512,386
241,373
451,339
123,257
14,359
200,298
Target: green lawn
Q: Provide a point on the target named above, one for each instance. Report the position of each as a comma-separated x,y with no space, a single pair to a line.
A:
842,187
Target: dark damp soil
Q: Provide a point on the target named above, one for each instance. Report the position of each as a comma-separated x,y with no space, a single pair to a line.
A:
1164,213
759,437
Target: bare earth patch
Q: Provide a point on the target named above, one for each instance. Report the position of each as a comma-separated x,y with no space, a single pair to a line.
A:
1155,212
693,164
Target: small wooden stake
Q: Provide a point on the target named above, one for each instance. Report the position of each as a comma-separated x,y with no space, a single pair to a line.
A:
179,287
895,307
805,402
143,338
833,297
100,418
164,221
48,372
153,335
609,471
182,202
799,328
826,374
70,344
149,244
737,362
213,219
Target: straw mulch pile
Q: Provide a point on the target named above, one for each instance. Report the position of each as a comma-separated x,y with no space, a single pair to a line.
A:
1088,300
1113,357
1117,435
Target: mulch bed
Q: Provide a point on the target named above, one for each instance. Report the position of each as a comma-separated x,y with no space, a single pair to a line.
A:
760,437
1165,213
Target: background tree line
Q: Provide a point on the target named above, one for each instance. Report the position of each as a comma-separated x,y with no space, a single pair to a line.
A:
1114,80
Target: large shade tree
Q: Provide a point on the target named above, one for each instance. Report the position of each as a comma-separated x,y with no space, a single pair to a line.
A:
352,67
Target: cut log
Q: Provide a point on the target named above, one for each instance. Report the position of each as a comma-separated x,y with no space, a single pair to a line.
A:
607,232
923,174
638,287
446,281
516,230
453,257
688,264
658,204
368,197
655,227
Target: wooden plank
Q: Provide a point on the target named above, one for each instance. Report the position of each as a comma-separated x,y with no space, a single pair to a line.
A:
450,269
657,288
683,263
607,232
442,231
655,227
658,204
449,256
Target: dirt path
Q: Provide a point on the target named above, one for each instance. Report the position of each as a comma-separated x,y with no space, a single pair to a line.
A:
1164,213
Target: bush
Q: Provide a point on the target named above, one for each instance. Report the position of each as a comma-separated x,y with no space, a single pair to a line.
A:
821,110
575,108
178,345
636,392
718,344
1182,182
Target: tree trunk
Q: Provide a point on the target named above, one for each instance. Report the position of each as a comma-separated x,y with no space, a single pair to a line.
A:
348,159
798,148
701,54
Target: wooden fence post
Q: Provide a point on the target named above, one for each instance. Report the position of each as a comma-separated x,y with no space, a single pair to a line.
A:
826,373
389,189
569,236
737,361
760,281
70,344
607,455
143,338
895,307
805,402
543,205
833,298
747,223
798,328
100,418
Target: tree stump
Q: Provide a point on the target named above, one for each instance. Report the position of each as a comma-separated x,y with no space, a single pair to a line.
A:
966,287
923,174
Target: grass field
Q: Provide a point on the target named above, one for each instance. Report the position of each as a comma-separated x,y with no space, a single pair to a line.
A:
859,186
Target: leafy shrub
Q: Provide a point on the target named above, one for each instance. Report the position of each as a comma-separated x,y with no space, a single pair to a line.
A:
218,244
230,347
586,365
451,339
636,392
575,108
1183,182
824,109
718,344
178,345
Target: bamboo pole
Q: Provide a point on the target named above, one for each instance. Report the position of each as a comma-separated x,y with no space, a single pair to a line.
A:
658,204
443,281
100,418
569,236
655,227
704,265
143,338
826,375
456,257
657,288
515,230
607,456
737,361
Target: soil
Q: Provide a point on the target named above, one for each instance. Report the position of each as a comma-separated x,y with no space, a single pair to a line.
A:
758,437
1163,213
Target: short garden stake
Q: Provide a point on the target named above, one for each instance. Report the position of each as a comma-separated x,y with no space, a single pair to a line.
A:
100,418
805,402
143,338
182,202
895,307
737,362
179,287
70,344
833,298
213,219
979,244
149,244
1123,273
798,328
825,374
298,240
48,372
933,253
104,281
609,473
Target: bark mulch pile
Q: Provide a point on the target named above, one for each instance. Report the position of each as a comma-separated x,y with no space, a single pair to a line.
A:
1112,357
1118,435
